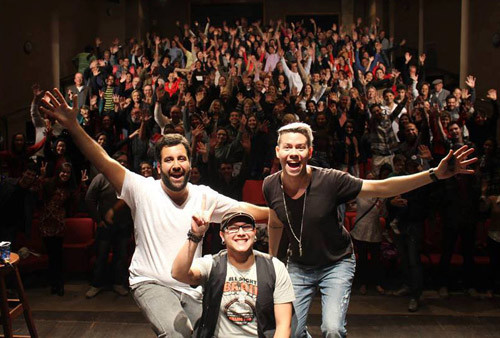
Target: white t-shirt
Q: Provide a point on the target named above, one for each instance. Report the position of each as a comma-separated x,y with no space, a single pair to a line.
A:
237,317
161,226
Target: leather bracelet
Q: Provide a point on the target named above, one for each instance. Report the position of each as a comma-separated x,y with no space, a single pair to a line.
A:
193,238
433,176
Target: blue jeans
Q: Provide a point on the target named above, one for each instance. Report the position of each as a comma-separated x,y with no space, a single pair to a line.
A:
334,283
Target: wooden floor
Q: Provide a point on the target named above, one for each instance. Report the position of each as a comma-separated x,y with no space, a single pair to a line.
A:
110,315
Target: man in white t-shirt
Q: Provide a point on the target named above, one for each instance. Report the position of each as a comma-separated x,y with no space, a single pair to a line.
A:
162,212
247,293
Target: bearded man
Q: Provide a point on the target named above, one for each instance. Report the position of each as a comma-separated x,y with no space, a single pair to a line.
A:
162,211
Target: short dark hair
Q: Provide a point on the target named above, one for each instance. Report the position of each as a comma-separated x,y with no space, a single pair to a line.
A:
119,154
387,91
171,140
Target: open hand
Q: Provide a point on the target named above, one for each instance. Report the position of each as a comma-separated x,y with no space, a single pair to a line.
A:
455,162
58,108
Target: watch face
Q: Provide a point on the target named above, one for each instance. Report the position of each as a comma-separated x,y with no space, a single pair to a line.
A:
28,47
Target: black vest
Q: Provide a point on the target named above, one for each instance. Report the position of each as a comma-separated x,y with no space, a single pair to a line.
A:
213,289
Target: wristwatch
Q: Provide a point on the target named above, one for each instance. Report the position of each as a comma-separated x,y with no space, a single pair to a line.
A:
433,176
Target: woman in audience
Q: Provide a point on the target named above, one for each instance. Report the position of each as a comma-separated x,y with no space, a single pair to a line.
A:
59,196
367,236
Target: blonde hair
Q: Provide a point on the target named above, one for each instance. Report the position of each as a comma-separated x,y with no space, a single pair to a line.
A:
297,127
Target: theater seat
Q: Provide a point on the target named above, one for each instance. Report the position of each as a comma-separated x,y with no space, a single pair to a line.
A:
78,240
35,244
252,192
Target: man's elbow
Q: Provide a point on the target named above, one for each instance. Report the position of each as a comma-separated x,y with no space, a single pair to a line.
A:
178,276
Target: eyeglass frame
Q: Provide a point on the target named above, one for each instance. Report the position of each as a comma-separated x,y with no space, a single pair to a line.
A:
226,230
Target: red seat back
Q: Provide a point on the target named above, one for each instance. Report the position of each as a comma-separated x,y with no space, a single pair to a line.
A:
78,230
252,192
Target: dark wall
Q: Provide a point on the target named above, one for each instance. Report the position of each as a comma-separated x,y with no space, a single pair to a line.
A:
442,34
483,57
278,9
78,22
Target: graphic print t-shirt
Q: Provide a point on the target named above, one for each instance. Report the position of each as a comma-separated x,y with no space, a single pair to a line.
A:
237,309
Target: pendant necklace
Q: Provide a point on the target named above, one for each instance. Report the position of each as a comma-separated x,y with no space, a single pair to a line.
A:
298,239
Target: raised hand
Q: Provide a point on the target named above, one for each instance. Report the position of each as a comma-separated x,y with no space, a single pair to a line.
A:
85,177
465,94
407,57
201,219
455,162
470,81
57,108
492,94
424,152
201,148
43,169
246,142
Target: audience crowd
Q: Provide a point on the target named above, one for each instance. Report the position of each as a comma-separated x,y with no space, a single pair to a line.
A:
227,89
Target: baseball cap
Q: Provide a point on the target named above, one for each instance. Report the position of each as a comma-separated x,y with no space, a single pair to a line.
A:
242,216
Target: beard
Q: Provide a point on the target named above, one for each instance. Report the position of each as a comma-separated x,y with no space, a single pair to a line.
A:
175,187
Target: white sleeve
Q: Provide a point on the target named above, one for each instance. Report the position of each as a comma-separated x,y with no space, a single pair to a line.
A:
204,265
285,68
133,185
224,204
283,289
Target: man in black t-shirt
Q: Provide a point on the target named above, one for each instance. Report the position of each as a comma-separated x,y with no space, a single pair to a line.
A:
303,200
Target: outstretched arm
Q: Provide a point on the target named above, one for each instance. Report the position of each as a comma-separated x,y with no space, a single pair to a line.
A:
454,163
59,109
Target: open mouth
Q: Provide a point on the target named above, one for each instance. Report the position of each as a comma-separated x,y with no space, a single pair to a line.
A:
293,165
177,175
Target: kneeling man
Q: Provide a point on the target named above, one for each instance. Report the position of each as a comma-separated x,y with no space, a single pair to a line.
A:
246,293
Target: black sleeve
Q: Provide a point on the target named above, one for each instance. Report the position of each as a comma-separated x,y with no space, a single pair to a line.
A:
347,186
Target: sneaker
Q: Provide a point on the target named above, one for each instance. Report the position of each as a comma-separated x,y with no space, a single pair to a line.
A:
443,292
403,291
92,292
119,289
362,289
413,305
472,292
380,290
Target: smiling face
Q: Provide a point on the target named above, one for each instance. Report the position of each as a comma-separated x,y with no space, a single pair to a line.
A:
293,153
239,236
65,173
60,148
175,167
146,170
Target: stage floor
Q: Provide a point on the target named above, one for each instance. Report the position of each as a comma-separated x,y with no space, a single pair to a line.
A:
109,315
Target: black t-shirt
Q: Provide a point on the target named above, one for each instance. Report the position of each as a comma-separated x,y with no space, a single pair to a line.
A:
324,240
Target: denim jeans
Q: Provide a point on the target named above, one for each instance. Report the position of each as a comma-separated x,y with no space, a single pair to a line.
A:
118,269
334,283
170,312
409,245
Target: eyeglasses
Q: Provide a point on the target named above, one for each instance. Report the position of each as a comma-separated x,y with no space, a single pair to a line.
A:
233,229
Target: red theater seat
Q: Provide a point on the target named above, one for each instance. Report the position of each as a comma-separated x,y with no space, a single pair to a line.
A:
34,244
78,240
252,192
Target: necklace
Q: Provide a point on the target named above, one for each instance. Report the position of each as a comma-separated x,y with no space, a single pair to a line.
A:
298,239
